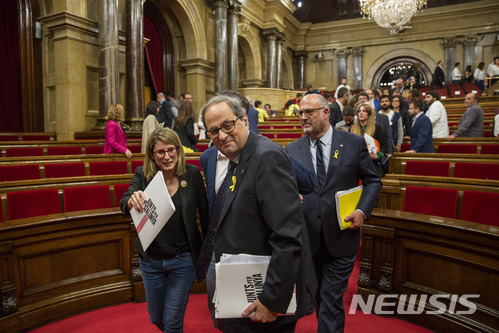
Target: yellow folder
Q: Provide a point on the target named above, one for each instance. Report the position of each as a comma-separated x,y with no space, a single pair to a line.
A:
346,203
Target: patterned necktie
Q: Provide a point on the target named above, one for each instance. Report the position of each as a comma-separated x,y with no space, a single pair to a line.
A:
321,169
206,253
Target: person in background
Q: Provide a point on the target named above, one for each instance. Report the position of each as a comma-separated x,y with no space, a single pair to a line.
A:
184,127
115,137
348,115
150,123
471,123
395,121
252,116
262,114
421,134
479,76
496,126
468,74
366,124
343,84
439,75
416,74
168,264
456,73
165,115
270,112
437,115
310,90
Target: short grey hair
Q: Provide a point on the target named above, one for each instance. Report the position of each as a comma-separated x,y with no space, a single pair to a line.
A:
233,102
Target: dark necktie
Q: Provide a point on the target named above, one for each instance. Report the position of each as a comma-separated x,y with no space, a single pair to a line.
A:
319,163
206,252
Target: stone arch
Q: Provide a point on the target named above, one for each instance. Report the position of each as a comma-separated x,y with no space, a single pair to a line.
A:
251,52
373,72
287,74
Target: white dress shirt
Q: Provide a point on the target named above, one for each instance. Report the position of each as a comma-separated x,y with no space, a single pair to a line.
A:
438,118
456,75
327,140
221,171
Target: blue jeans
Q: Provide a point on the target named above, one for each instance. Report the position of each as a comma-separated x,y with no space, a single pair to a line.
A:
167,283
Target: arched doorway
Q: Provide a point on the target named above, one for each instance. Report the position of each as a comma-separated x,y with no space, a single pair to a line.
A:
390,71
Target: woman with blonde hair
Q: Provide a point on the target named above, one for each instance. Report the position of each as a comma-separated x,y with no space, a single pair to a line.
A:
115,137
150,123
366,124
168,263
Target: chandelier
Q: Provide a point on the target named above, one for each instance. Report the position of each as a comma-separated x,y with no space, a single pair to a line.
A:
391,14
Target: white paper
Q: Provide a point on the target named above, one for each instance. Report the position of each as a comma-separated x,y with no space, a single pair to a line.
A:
239,281
159,208
371,146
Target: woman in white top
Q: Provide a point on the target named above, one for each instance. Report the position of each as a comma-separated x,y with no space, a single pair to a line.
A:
456,74
150,123
480,76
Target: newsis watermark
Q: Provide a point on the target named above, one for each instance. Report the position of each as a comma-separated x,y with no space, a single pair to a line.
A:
403,304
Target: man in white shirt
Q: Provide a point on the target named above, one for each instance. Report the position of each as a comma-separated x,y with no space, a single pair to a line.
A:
437,115
456,74
343,84
496,126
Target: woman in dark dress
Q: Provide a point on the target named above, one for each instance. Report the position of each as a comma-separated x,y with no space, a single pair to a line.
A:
168,263
184,126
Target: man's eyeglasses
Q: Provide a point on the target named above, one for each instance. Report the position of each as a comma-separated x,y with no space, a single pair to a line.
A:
309,112
161,153
226,127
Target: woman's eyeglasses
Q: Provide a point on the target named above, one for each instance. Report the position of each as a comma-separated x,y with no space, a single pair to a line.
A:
172,152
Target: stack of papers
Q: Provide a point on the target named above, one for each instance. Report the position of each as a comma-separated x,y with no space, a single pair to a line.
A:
346,203
239,282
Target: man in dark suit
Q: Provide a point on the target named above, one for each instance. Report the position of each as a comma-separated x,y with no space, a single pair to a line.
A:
165,114
339,160
337,106
261,216
422,130
439,75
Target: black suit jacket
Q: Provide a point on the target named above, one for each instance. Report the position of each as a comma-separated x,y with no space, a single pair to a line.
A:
192,199
352,162
165,114
438,77
262,216
335,113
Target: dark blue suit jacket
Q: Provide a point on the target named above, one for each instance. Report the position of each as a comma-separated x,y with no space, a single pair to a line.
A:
253,119
422,135
352,162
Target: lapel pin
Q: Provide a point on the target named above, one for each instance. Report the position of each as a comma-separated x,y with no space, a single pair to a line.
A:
183,183
242,171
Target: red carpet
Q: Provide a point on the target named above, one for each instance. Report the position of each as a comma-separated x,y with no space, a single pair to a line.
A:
131,317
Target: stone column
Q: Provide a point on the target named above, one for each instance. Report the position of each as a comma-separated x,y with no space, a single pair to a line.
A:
301,56
357,53
449,56
134,64
469,52
281,38
271,37
342,63
221,63
233,67
109,66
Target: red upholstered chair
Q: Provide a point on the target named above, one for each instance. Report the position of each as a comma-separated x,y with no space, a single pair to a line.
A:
263,126
59,170
119,190
490,149
195,162
480,207
427,168
442,92
107,168
431,201
70,150
19,172
92,150
288,135
9,138
269,135
86,198
405,147
202,148
457,149
135,149
33,203
457,93
136,164
36,137
476,170
25,151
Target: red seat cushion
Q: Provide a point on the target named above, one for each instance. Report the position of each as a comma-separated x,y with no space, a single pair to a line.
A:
457,149
119,190
427,168
19,172
58,170
490,149
107,168
289,135
479,207
33,203
431,201
476,170
195,162
94,150
36,137
405,147
135,149
268,135
136,164
9,138
70,150
25,151
86,198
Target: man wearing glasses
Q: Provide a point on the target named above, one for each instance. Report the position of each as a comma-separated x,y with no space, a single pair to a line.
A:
261,215
340,160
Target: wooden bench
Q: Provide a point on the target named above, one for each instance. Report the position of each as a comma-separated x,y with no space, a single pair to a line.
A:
27,136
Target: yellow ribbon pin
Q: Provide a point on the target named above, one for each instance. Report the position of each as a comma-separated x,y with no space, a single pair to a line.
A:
336,154
233,186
